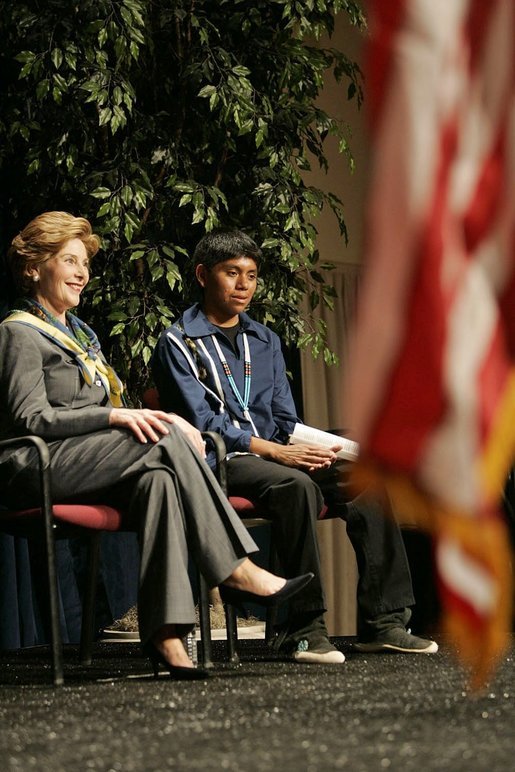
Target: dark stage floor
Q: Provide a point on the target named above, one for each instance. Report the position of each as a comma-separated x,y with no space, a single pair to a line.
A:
375,712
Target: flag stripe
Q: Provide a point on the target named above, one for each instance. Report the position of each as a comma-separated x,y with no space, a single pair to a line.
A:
389,18
462,576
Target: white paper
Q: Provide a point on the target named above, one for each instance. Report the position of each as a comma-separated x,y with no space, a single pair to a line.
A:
308,435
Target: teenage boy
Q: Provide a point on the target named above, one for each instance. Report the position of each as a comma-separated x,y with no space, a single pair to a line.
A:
224,372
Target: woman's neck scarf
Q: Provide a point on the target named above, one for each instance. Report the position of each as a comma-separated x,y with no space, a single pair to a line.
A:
77,339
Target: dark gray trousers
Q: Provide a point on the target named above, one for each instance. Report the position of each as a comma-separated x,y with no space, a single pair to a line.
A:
171,498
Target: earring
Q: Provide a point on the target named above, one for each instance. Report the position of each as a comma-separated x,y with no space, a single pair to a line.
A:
35,277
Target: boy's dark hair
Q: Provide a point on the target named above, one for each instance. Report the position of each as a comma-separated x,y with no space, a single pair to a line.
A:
218,246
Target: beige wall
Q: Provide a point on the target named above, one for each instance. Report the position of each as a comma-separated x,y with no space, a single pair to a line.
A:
350,187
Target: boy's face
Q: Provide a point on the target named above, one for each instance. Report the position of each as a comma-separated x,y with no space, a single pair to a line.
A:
228,288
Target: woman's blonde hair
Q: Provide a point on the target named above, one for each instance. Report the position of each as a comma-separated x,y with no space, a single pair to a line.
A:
43,238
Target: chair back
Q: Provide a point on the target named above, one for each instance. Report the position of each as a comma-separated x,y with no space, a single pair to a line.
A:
151,399
50,521
99,517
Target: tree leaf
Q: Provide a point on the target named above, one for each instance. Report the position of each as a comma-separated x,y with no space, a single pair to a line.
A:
161,122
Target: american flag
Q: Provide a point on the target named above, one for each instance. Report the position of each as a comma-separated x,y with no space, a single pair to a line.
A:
431,388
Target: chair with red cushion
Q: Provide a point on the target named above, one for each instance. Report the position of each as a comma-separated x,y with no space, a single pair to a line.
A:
50,521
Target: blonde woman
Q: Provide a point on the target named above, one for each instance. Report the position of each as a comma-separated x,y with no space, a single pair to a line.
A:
55,383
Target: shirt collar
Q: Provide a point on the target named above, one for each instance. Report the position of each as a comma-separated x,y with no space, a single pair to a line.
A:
197,325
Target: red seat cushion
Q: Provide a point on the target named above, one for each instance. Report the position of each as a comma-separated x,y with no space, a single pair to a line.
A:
96,516
244,507
151,399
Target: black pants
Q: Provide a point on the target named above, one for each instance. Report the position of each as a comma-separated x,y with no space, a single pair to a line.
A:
293,501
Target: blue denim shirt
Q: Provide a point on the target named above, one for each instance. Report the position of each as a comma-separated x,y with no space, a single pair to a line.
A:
175,361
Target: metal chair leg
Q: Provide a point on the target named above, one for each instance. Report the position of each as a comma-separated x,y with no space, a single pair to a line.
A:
53,592
205,623
53,601
275,568
90,593
231,627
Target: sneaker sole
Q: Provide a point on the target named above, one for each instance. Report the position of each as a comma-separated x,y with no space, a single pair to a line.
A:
314,658
432,648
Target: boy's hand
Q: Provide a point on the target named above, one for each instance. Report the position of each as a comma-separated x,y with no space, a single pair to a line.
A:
309,458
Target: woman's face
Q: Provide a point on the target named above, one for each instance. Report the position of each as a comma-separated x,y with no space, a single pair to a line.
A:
59,281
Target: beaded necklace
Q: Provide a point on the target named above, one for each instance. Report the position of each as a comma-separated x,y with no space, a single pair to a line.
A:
242,401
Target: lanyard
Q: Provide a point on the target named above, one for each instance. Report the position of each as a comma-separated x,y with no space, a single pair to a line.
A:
242,401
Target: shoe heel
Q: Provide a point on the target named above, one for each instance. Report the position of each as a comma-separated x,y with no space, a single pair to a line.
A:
176,672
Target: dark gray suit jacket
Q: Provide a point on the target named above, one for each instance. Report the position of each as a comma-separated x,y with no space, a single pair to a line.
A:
42,392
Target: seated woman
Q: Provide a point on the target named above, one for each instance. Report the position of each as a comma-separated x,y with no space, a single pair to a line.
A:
55,383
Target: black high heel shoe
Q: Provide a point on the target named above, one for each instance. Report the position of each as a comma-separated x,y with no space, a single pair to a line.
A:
239,597
177,672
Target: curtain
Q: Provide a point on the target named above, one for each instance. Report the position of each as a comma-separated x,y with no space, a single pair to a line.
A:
339,569
23,576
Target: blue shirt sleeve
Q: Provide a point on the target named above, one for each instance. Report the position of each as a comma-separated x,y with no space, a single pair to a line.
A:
283,406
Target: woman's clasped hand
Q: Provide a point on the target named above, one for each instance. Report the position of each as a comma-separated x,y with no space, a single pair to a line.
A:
152,425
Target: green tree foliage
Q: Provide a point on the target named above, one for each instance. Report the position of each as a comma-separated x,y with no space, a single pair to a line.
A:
160,120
